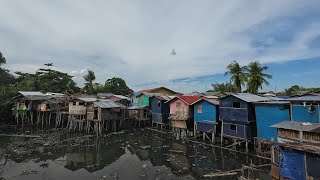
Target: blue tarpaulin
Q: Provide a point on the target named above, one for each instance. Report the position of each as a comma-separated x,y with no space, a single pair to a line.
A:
292,165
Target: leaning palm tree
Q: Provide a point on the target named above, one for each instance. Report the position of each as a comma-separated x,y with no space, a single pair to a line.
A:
256,77
89,78
237,73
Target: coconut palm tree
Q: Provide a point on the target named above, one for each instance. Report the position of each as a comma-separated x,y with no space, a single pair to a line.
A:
256,76
237,73
89,85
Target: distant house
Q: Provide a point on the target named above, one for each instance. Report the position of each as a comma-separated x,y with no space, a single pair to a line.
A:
269,113
206,116
159,109
144,98
237,114
182,111
162,90
134,100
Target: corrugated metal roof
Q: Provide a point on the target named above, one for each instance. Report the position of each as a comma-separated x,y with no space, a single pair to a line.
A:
121,97
297,126
162,97
273,102
31,93
305,98
106,104
212,101
88,99
274,98
104,94
249,97
187,99
152,94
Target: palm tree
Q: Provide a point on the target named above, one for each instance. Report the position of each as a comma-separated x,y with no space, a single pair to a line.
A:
238,76
256,77
89,78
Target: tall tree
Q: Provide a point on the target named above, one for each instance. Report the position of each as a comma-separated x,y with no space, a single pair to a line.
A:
2,59
89,85
256,76
118,86
237,73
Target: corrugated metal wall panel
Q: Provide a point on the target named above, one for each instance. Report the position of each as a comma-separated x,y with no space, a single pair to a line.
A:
267,115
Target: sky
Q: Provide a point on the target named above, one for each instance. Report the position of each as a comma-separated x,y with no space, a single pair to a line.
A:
133,39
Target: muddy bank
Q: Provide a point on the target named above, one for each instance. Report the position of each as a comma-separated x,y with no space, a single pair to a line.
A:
131,154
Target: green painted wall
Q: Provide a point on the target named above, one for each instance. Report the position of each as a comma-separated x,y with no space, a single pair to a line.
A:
143,100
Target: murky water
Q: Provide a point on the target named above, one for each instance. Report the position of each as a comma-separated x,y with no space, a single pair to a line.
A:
135,154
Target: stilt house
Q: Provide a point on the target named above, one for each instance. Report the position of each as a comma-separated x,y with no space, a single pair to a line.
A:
182,112
206,116
237,114
159,109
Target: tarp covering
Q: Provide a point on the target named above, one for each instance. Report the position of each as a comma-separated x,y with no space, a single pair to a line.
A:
292,165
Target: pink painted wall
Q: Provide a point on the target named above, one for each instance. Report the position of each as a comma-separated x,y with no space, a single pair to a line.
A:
173,107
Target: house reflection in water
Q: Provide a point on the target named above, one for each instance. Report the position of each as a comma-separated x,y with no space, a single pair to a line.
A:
94,158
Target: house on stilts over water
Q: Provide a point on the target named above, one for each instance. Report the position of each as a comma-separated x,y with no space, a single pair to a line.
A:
39,108
237,115
206,117
160,110
98,115
182,113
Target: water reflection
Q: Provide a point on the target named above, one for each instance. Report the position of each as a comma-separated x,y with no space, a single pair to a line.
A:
132,155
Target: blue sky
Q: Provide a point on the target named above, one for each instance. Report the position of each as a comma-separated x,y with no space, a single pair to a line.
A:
132,39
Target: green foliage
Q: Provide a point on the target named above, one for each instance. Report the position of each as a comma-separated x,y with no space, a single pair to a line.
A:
224,87
46,80
89,85
293,90
118,86
2,59
256,77
237,73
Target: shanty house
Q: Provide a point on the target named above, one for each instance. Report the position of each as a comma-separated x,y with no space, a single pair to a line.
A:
269,113
159,109
237,114
182,112
206,115
293,131
120,99
305,109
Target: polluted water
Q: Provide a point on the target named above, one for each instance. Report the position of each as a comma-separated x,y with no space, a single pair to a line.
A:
131,154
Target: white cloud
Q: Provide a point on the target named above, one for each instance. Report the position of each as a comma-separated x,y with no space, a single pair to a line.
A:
133,39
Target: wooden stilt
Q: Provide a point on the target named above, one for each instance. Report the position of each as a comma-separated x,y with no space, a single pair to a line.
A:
221,140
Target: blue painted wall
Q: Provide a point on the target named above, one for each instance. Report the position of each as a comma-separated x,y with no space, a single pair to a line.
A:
243,118
267,115
209,112
160,110
301,114
134,100
242,131
230,114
